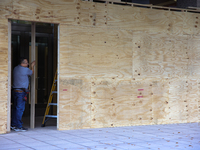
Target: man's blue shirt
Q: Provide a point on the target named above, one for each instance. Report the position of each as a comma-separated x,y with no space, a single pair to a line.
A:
20,77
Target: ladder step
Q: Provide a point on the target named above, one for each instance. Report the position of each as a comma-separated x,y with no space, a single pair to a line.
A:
46,116
54,92
51,116
52,104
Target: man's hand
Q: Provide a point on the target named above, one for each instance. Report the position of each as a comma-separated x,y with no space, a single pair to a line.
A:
33,64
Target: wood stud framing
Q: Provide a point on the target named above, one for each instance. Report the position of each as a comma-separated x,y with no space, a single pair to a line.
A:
189,9
9,77
33,53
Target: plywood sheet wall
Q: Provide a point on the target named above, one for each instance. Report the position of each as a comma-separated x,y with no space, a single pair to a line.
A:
119,65
4,73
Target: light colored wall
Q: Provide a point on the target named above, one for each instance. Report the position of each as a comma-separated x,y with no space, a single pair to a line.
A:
119,65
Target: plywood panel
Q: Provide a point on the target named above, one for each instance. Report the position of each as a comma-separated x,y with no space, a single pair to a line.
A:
23,10
142,105
119,65
65,124
177,22
6,8
147,55
81,13
3,116
160,100
33,10
138,18
101,114
156,54
196,24
120,102
80,116
185,23
66,12
101,108
3,107
4,74
93,14
75,102
192,100
93,52
188,23
194,56
177,105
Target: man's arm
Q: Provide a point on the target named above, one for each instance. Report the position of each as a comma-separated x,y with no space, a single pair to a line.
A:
32,66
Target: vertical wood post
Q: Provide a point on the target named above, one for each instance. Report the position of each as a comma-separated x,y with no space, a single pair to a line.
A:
9,77
58,76
32,117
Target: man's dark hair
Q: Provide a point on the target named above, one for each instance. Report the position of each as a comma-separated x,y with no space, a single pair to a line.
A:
21,59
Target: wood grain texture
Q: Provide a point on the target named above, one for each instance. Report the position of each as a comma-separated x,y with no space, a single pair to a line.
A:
192,100
95,52
119,65
74,103
3,116
138,18
156,54
126,102
4,74
6,9
160,100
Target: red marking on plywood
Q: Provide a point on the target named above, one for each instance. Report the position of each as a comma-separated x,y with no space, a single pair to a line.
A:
140,97
140,89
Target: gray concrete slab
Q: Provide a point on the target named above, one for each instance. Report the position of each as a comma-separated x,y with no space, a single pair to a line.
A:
155,137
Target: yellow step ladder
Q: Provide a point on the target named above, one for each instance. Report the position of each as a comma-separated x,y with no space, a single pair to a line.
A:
49,104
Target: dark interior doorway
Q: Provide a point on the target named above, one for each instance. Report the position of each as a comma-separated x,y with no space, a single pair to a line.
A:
46,62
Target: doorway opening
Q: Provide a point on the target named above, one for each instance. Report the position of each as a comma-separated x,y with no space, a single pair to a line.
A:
46,58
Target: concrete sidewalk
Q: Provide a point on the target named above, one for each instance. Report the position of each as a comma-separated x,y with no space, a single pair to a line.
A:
154,137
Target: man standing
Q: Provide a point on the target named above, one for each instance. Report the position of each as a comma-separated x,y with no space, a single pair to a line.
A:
20,85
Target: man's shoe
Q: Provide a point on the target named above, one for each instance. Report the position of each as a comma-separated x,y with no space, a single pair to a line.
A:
20,129
12,127
23,129
16,129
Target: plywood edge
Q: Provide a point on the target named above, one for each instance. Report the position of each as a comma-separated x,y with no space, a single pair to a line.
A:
9,78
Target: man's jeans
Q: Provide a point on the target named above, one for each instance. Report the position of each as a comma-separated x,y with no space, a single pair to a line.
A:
18,109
